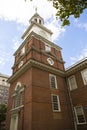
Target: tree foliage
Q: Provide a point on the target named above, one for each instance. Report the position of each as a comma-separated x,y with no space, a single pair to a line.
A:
66,8
3,109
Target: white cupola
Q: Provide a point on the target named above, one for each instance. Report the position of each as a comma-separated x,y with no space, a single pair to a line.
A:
36,18
37,26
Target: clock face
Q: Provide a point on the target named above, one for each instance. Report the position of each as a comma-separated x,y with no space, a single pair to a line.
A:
50,61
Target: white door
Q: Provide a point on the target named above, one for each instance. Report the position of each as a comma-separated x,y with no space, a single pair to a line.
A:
14,122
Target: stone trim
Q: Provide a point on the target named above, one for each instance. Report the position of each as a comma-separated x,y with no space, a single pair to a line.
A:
33,34
76,66
33,63
15,110
34,23
46,41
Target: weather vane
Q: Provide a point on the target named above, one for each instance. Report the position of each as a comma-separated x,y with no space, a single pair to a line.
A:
36,9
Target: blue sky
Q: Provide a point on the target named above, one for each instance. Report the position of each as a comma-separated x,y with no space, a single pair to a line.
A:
14,17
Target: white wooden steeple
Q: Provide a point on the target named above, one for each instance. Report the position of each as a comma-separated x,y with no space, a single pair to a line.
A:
37,26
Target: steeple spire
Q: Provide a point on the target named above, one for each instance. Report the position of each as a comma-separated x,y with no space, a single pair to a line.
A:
35,9
37,26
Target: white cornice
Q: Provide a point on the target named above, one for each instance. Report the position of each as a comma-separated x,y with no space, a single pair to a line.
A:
40,26
46,41
33,63
4,75
77,65
39,38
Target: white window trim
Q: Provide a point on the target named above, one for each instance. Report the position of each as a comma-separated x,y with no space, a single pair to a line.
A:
3,82
58,103
18,88
22,51
16,108
77,115
84,81
20,64
55,81
71,89
47,48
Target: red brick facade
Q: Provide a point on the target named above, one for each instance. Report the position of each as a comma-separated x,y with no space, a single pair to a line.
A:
37,112
43,95
79,95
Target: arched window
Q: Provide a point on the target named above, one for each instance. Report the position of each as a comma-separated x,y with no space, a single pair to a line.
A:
35,20
18,96
39,21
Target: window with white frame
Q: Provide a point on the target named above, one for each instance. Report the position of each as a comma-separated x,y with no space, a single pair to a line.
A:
20,64
72,82
79,113
53,81
84,76
18,96
55,103
22,51
3,82
47,48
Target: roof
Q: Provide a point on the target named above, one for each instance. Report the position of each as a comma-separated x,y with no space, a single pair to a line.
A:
77,66
4,75
36,15
77,63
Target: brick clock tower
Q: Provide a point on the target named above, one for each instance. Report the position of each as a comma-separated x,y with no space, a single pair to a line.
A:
38,97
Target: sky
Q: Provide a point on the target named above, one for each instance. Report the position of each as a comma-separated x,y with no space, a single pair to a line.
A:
14,20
